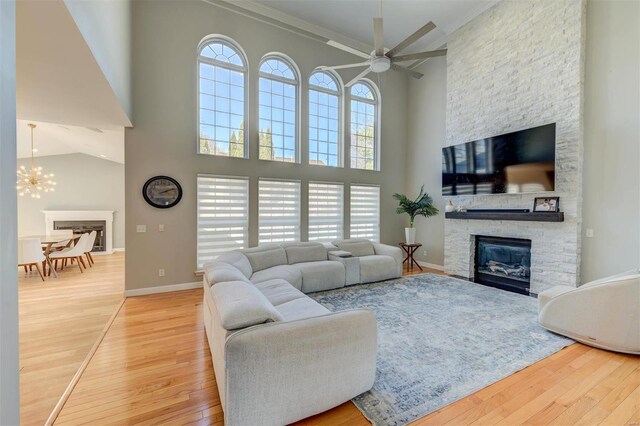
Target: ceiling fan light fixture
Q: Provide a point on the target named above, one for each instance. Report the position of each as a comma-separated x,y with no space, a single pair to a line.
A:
380,64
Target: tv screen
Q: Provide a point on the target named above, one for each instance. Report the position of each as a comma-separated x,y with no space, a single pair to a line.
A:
513,163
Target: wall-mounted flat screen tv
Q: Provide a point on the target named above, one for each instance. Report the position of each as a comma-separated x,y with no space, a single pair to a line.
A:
523,161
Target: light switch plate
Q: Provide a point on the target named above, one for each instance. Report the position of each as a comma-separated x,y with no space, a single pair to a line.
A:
161,228
589,233
141,228
161,272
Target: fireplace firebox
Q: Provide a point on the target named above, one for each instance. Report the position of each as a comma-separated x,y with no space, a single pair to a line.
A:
503,263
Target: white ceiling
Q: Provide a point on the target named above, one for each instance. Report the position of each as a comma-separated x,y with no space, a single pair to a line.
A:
354,18
58,78
57,139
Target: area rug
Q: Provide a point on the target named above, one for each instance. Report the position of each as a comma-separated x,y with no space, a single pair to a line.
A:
441,339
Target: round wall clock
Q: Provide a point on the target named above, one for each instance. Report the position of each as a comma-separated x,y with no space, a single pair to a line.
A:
162,192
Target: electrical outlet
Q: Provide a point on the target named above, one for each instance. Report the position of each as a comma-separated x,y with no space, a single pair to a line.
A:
589,233
141,228
161,227
424,252
161,272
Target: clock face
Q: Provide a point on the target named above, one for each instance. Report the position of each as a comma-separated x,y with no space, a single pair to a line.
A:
162,192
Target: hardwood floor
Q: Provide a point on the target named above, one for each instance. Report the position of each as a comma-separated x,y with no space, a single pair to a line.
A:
60,320
154,367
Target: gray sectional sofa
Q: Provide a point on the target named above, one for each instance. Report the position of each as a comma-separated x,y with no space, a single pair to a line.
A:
278,355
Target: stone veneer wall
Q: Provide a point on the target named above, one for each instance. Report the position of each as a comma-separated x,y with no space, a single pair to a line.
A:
520,64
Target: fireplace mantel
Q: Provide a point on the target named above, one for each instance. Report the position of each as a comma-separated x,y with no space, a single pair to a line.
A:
51,216
497,215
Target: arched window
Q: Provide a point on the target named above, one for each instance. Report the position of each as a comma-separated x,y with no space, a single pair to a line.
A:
364,126
222,82
278,110
324,119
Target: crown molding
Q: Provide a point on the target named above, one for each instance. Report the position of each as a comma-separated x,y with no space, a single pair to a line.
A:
254,10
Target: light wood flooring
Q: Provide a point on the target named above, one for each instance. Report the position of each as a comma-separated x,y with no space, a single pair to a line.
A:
154,367
60,320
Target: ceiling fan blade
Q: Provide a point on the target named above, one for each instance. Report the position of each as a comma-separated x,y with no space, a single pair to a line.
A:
378,42
412,39
420,55
412,73
339,67
349,49
358,77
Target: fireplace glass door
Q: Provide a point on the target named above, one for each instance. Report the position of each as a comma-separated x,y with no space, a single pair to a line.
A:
503,263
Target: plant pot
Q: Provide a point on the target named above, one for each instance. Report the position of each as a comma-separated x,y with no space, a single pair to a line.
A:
410,235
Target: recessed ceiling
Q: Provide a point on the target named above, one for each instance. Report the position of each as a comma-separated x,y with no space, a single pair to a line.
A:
58,139
354,18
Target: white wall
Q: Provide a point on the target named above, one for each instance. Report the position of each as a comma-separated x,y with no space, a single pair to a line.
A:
427,101
106,27
83,183
612,139
9,361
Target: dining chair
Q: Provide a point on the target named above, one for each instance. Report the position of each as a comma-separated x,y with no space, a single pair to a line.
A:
74,253
90,243
62,244
30,254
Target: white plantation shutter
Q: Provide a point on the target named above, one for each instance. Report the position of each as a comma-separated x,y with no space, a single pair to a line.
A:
278,210
325,211
365,212
223,216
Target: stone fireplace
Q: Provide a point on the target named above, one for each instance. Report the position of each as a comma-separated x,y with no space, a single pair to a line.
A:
519,65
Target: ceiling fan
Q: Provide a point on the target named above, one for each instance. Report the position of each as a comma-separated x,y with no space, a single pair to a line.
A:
380,61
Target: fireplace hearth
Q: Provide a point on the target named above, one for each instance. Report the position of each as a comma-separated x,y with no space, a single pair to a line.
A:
503,263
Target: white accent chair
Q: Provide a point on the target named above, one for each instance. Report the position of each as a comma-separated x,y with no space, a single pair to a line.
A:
604,313
74,253
30,254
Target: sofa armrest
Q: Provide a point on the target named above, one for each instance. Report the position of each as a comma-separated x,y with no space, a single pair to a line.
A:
282,372
387,250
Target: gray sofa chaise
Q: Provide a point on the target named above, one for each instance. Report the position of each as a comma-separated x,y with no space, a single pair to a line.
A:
278,355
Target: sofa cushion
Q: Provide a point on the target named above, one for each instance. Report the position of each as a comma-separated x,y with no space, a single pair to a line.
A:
240,304
237,259
279,291
357,247
289,273
377,268
300,309
304,252
264,257
322,275
217,272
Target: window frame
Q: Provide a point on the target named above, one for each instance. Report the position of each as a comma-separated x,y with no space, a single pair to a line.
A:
341,116
379,218
377,105
342,186
219,38
247,203
298,90
298,184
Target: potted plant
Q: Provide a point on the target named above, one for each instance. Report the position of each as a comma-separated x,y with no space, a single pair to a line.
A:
421,206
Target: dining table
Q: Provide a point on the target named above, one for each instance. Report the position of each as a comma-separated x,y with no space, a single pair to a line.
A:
47,242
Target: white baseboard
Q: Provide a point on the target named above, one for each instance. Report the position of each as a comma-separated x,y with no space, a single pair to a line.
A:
162,289
431,265
119,249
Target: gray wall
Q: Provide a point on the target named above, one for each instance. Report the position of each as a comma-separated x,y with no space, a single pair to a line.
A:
83,182
9,361
106,27
163,141
612,139
427,101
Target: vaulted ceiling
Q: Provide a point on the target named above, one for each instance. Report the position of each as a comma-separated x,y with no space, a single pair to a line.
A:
353,18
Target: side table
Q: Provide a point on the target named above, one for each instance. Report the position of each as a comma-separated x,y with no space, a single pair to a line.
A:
409,250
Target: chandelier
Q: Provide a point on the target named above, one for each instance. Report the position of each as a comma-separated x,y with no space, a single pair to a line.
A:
33,182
